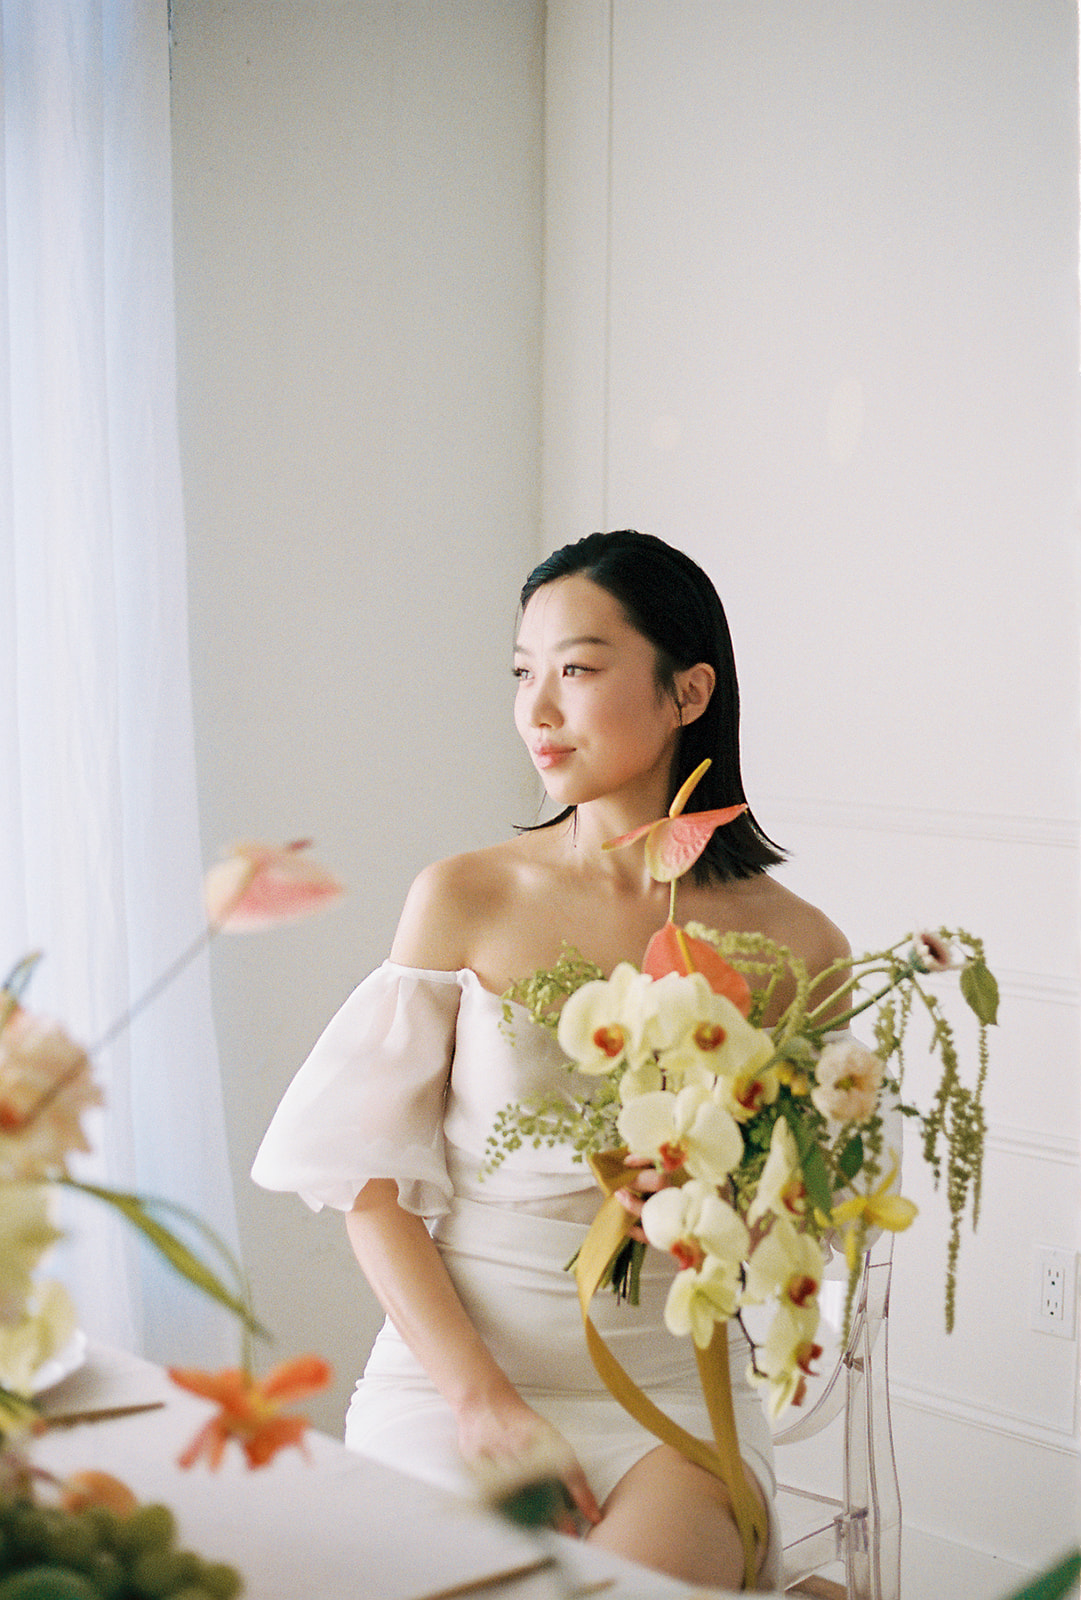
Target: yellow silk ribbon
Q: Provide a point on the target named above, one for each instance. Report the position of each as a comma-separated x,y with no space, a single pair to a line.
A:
606,1234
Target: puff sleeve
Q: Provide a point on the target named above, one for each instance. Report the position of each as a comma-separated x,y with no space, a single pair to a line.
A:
369,1100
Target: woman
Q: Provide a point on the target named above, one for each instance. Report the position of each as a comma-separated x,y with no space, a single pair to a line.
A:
626,681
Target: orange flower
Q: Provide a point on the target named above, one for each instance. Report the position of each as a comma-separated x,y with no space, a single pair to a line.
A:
250,1411
260,885
674,842
672,949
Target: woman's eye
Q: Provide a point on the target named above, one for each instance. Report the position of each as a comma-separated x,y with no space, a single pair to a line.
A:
574,669
520,673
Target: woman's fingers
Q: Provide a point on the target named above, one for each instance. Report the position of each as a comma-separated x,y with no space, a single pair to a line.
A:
583,1497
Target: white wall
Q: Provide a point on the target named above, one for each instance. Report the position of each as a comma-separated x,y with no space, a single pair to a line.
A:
358,192
811,285
811,313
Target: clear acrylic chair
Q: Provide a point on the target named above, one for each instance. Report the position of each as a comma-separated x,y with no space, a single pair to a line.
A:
862,1529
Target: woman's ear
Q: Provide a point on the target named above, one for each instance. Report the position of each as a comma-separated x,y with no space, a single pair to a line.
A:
694,687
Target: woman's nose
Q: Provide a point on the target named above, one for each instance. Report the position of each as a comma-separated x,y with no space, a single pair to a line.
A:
544,705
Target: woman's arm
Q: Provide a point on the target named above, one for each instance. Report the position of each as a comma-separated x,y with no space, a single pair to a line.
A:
403,1266
448,902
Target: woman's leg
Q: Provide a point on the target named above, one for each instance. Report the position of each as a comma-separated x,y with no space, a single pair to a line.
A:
670,1515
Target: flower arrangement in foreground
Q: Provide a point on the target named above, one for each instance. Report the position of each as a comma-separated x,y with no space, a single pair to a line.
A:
774,1141
46,1087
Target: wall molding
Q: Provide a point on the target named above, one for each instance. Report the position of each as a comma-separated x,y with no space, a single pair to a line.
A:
1048,988
1031,1144
1056,833
987,1419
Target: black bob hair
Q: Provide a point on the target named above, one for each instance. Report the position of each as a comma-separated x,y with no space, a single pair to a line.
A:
670,601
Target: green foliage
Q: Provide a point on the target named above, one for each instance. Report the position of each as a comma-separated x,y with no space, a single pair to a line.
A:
542,994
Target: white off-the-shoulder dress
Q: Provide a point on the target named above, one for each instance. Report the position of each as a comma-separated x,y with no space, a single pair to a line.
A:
405,1084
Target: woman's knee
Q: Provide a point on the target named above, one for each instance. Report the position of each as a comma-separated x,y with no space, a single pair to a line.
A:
671,1515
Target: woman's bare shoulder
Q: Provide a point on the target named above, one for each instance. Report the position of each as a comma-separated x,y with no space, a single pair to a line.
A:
763,905
813,936
450,902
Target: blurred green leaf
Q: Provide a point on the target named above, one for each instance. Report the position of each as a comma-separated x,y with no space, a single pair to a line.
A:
980,990
139,1209
1053,1584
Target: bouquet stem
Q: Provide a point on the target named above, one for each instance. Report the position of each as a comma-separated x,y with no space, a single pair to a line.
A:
722,1459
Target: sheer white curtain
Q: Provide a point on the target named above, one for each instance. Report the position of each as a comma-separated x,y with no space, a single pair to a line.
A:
101,863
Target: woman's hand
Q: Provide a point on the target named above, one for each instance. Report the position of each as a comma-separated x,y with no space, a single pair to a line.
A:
633,1196
510,1443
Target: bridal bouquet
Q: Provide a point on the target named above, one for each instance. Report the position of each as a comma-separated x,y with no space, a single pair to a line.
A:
774,1142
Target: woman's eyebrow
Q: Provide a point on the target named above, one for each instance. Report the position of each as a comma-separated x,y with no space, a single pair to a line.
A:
571,644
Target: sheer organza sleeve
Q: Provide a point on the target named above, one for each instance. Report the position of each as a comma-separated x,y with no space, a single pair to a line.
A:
368,1102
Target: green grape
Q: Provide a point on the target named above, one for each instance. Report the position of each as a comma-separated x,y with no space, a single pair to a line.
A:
156,1573
29,1533
189,1568
151,1527
74,1541
47,1583
221,1581
107,1575
104,1523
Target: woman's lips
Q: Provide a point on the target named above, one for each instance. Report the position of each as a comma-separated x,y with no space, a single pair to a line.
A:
550,755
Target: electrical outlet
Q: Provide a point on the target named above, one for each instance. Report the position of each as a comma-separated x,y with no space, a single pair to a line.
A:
1055,1292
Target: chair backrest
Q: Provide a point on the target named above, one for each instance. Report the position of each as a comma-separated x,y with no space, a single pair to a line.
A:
862,1528
828,1392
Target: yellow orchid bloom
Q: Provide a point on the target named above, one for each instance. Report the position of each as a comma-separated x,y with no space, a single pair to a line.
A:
879,1209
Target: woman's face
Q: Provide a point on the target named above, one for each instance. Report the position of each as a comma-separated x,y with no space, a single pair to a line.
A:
588,706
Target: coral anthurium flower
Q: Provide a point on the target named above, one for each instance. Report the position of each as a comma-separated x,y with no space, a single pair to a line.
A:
674,842
880,1209
250,1410
672,949
260,885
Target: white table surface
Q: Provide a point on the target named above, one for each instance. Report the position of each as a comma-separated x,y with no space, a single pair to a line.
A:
335,1527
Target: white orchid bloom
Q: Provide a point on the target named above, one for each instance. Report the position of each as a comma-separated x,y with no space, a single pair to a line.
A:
689,1129
601,1023
784,1360
671,1006
780,1188
700,1297
716,1040
644,1079
692,1222
787,1264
